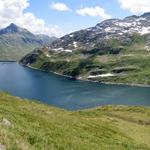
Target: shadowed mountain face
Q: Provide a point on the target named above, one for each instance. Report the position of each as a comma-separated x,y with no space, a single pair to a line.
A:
15,42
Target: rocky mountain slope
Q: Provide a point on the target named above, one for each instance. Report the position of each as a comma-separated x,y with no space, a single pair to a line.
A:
114,50
46,40
29,125
121,29
15,42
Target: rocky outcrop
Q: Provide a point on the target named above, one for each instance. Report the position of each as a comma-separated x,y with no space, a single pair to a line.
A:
124,69
31,57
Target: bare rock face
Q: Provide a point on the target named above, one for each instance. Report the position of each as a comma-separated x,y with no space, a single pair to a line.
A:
2,147
31,57
6,122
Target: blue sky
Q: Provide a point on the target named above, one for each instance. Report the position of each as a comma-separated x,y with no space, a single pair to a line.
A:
71,21
59,17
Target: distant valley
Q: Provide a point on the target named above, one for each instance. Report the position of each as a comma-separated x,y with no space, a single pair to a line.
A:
15,42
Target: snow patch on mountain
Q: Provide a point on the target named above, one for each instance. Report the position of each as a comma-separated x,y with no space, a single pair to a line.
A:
145,30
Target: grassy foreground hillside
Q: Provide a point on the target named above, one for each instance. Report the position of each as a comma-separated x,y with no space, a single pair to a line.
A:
28,125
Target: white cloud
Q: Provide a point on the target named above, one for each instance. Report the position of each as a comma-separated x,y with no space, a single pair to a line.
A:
94,12
12,11
136,6
60,6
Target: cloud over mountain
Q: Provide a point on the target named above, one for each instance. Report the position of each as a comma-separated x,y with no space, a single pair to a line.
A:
136,6
94,12
60,6
13,11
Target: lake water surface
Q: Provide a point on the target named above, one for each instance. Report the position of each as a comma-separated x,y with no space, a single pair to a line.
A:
64,92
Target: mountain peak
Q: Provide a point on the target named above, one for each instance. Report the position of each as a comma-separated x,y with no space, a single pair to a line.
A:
146,15
131,17
13,25
13,28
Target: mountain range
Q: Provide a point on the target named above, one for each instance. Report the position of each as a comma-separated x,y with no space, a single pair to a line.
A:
15,42
89,38
114,51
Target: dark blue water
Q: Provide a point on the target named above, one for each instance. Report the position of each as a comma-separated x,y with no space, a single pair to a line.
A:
64,92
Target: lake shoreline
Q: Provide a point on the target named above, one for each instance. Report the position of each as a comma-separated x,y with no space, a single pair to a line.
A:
111,83
8,61
66,92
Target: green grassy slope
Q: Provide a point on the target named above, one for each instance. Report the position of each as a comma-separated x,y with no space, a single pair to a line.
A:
28,125
10,52
129,63
14,46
